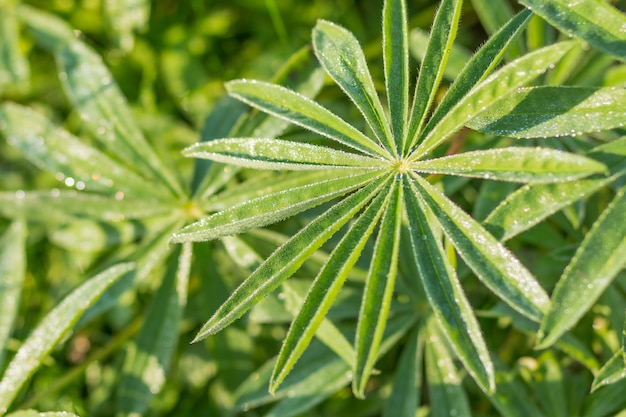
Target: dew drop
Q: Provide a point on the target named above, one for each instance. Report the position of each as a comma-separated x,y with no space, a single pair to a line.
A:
119,195
69,181
20,194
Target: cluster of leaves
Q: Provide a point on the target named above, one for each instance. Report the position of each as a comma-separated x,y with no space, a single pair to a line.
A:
371,213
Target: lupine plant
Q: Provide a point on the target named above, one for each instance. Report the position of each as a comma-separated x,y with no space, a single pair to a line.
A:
395,231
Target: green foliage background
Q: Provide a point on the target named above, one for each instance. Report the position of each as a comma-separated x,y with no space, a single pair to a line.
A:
119,343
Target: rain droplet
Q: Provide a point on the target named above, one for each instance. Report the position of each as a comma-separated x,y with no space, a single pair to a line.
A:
119,195
20,194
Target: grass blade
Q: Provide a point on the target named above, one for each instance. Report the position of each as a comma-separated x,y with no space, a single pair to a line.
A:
495,86
516,164
492,263
302,111
442,35
288,258
342,57
445,294
596,262
325,288
379,288
271,208
148,357
12,271
597,22
539,112
396,58
51,330
276,154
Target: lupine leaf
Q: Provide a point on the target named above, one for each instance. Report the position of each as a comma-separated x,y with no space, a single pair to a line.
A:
275,154
445,294
553,111
596,262
378,290
13,64
447,395
325,287
271,208
148,356
289,105
395,51
12,271
596,22
516,164
342,57
479,66
493,264
58,151
442,35
532,203
486,93
96,97
51,330
612,371
287,259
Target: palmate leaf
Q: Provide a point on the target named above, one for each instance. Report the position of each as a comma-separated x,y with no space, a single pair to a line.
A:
596,262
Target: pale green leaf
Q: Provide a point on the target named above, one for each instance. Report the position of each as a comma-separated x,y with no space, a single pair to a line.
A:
61,153
442,35
275,154
302,111
379,288
459,56
271,208
126,16
51,330
492,263
342,57
446,393
12,271
596,262
534,202
553,111
396,55
407,382
597,22
479,66
516,164
287,259
148,356
486,93
612,371
325,288
33,413
13,64
96,97
445,294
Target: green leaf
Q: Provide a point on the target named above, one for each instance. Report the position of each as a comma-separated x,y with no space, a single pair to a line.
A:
13,64
598,259
486,93
479,66
516,164
51,330
272,208
396,55
379,288
459,55
407,382
511,398
553,111
597,22
97,98
33,413
58,151
126,16
296,108
447,396
288,258
148,356
532,203
342,57
612,371
493,14
548,382
325,288
445,294
442,35
275,154
12,271
492,263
